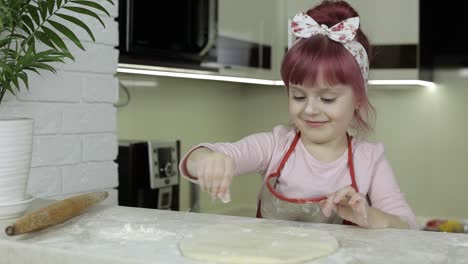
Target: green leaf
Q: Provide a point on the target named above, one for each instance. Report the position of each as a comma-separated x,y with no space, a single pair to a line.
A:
15,82
67,54
52,59
50,5
55,38
27,21
24,77
18,35
8,52
44,39
34,12
110,1
31,69
6,70
78,22
4,42
48,53
43,9
84,11
91,4
8,87
44,66
14,5
28,58
1,23
26,29
67,32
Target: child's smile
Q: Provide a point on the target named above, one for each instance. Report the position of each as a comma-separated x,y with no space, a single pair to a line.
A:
321,113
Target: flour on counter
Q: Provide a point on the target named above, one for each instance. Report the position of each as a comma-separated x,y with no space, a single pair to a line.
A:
133,232
118,231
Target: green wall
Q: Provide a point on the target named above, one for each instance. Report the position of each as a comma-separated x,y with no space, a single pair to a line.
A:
423,132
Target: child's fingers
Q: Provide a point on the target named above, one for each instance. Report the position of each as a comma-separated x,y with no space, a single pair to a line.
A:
226,197
322,203
201,176
216,178
357,197
329,205
344,194
358,203
227,178
223,186
323,207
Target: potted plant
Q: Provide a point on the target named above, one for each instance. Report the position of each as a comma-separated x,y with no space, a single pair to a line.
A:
32,34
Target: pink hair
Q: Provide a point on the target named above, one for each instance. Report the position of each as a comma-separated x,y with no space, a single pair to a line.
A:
320,57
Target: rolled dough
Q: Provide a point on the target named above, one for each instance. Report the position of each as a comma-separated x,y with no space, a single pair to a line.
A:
257,243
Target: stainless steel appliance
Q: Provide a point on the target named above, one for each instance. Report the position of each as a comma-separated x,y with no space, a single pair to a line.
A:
148,174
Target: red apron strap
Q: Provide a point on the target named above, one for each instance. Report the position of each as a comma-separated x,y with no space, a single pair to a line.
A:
351,163
280,167
288,153
259,204
351,172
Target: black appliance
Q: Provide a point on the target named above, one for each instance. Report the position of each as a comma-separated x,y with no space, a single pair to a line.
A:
182,34
171,32
148,174
442,34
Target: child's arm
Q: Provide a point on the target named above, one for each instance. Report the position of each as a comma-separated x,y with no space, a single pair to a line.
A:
381,219
384,192
214,165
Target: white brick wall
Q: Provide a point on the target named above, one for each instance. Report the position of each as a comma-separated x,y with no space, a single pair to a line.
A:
74,117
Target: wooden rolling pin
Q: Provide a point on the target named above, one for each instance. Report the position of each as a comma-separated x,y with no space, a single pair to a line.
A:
55,213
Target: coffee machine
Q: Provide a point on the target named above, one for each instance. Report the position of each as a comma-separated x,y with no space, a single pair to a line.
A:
148,174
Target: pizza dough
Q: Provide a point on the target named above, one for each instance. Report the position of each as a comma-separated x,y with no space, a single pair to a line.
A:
257,243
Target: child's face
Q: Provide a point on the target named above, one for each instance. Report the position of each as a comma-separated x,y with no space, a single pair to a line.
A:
321,113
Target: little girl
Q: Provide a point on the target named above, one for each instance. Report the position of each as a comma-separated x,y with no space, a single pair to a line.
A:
314,170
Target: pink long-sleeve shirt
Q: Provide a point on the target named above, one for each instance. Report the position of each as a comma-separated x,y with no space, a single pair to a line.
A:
303,176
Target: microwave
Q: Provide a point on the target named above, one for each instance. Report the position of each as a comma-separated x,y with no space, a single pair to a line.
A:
183,34
167,32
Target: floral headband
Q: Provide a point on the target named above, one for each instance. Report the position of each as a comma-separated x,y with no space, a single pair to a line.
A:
303,26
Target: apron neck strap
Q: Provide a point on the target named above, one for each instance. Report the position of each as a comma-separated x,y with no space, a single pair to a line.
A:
288,153
350,158
351,162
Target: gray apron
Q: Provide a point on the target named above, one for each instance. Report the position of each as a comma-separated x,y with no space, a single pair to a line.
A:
273,205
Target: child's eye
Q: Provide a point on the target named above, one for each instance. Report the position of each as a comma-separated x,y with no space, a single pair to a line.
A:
298,98
328,100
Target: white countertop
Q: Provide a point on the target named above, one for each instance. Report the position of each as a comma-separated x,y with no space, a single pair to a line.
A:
124,235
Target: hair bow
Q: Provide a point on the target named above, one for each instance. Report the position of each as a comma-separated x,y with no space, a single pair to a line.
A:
304,26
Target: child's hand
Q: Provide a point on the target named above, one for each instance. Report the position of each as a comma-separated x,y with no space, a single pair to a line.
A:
349,205
215,171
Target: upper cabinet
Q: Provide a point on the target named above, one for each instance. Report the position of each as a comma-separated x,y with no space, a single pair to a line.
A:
394,22
248,38
393,30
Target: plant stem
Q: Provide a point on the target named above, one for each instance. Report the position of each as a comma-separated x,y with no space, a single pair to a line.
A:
2,93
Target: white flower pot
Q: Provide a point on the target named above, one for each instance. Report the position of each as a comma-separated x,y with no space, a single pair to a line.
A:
16,138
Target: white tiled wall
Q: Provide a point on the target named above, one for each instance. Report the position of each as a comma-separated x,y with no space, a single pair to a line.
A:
74,116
